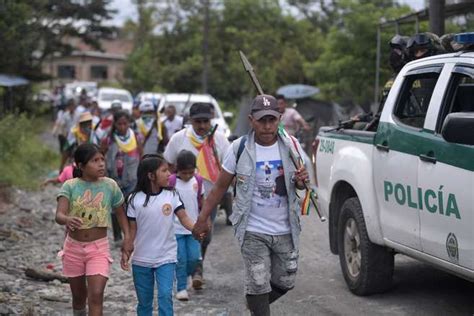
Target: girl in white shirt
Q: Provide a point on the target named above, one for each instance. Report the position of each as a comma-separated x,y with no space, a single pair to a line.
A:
150,209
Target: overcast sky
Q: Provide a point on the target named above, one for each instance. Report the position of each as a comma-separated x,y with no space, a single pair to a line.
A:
126,9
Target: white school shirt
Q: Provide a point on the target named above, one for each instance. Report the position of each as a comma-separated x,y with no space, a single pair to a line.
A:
269,211
155,241
188,192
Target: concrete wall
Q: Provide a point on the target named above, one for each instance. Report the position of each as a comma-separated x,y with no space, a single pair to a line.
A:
82,65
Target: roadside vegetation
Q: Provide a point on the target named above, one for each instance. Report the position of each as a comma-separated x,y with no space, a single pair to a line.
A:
24,157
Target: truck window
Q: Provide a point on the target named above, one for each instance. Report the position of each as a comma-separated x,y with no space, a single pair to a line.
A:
460,94
414,99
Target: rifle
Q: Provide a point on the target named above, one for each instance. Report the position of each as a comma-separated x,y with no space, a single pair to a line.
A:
349,123
294,155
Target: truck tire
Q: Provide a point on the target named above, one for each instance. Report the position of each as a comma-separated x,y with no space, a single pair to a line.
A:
367,267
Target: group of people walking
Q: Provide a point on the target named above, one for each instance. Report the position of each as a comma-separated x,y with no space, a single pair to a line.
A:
163,199
120,169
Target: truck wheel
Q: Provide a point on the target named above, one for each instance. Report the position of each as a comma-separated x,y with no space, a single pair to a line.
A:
367,267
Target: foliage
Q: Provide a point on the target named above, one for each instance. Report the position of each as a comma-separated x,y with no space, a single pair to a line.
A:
327,43
31,31
278,46
24,159
346,68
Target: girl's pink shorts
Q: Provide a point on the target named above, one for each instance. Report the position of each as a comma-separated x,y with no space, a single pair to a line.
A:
86,258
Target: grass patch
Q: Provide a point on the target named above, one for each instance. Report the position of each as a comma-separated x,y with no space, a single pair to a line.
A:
24,159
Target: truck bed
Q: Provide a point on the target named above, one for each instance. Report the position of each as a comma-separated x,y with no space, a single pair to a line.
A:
348,134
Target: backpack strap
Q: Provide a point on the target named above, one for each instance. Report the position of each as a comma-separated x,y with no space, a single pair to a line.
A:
172,180
241,148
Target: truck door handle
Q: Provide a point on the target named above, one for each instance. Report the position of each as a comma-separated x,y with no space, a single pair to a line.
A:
428,158
383,147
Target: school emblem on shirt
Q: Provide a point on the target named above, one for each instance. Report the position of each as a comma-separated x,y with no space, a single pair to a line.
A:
195,187
166,209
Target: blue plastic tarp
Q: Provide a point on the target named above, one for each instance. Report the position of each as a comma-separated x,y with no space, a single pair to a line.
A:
11,81
297,91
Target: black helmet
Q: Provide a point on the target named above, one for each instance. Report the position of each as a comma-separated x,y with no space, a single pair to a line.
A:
399,41
398,53
423,45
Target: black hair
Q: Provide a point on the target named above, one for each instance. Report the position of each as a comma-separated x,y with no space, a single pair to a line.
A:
185,160
280,97
149,163
82,155
118,115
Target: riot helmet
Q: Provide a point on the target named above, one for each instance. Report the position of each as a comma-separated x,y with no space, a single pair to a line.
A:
398,53
423,45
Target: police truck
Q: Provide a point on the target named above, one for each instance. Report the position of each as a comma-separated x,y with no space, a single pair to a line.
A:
408,186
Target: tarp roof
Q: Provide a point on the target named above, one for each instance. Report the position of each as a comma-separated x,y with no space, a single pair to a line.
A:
11,81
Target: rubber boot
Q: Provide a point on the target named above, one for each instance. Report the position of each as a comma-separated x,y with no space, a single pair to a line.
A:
276,293
258,304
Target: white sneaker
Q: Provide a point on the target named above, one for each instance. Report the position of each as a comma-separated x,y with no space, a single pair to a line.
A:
182,295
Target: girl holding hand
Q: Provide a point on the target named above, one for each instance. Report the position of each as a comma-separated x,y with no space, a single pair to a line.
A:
151,208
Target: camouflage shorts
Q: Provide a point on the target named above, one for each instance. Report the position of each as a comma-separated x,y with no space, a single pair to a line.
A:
268,259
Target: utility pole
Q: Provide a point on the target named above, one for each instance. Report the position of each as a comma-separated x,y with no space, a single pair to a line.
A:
205,47
436,14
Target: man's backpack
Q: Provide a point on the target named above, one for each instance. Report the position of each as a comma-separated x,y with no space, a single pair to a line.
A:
199,179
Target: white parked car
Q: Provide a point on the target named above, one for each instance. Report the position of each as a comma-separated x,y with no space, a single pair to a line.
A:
74,89
105,96
153,97
183,101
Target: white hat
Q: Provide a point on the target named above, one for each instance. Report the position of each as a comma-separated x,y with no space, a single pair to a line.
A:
146,106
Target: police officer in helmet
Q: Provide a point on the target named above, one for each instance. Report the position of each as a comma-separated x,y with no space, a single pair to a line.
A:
423,45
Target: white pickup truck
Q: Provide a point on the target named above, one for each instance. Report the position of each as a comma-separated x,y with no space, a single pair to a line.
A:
407,187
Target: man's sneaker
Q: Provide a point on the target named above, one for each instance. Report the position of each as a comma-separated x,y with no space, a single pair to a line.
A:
182,295
197,282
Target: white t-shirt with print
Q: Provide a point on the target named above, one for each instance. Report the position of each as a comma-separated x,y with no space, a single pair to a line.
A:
155,241
269,210
188,192
180,141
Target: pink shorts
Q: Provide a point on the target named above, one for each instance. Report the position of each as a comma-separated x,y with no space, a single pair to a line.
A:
86,258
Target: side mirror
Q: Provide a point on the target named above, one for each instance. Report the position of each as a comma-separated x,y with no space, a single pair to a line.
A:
459,128
228,116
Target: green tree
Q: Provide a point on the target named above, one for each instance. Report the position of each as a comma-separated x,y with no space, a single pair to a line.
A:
32,31
346,68
278,45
